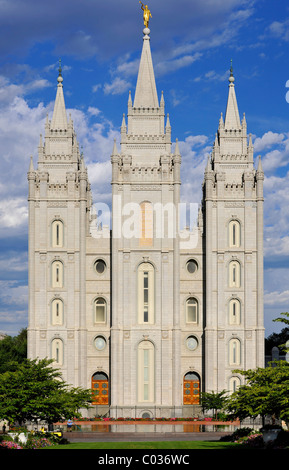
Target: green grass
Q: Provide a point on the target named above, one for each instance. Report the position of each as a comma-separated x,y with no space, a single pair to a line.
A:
204,445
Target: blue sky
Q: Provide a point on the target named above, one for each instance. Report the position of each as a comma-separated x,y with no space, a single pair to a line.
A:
99,44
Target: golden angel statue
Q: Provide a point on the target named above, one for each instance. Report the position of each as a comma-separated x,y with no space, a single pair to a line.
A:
146,14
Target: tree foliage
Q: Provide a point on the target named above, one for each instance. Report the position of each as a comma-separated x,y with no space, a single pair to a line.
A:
33,390
276,340
214,401
265,392
13,349
284,319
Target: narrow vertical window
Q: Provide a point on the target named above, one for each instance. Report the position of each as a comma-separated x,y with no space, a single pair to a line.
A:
234,384
234,274
234,312
146,296
57,274
57,234
146,372
57,312
146,293
57,351
234,234
146,232
234,352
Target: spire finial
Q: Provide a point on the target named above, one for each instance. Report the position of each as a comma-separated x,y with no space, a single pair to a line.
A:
60,79
231,78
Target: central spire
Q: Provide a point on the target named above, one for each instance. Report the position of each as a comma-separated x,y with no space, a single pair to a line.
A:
146,91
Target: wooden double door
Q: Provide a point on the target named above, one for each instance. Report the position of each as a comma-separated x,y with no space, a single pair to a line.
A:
191,389
100,389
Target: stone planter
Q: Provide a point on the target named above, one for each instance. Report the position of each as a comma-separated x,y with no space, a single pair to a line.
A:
270,435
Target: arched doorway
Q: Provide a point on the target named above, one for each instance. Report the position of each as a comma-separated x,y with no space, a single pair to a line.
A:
191,389
99,385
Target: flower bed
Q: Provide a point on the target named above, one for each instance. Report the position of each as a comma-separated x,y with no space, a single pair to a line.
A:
9,445
32,441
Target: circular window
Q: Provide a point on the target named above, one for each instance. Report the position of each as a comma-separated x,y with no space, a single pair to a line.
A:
99,343
192,343
192,266
100,266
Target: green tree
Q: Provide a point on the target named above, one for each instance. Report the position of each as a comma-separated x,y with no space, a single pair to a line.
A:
34,390
215,401
276,339
265,393
284,319
13,349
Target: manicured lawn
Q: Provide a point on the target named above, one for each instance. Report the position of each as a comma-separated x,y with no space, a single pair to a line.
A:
203,445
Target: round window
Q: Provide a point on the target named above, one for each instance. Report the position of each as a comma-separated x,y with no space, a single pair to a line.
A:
99,343
192,343
100,266
192,266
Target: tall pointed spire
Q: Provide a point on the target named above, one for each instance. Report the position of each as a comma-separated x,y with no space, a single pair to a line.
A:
59,118
232,119
146,91
145,137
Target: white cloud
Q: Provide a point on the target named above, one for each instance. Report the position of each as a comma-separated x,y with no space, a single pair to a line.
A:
93,111
95,88
167,66
277,298
13,212
213,75
267,140
116,87
280,29
194,151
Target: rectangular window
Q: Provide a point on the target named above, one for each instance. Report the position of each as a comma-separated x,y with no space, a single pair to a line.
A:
192,313
145,372
146,296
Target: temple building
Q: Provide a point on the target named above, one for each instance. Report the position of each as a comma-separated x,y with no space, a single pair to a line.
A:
150,317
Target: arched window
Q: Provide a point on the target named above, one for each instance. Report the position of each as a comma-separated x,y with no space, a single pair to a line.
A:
234,274
57,351
100,310
57,312
100,388
234,234
234,384
234,352
234,312
57,234
57,274
147,224
146,367
192,310
146,293
191,389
